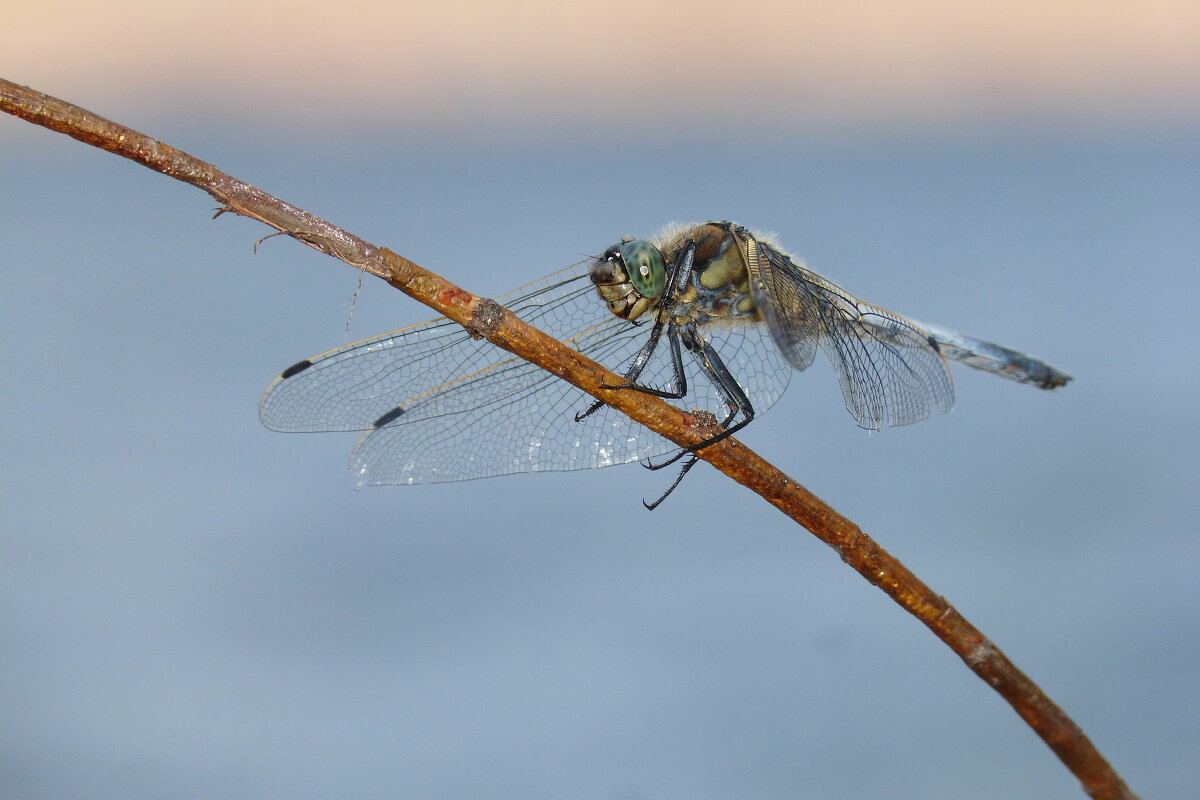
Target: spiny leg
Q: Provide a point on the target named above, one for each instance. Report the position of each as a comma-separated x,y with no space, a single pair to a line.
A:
639,363
735,399
691,462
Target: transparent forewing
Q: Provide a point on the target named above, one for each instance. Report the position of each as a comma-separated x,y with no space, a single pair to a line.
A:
889,370
440,406
423,370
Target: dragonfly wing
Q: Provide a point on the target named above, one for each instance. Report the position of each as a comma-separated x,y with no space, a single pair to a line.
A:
890,370
437,405
427,369
527,421
349,388
788,303
527,426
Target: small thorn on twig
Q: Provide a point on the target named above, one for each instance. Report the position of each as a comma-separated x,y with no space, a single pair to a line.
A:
268,236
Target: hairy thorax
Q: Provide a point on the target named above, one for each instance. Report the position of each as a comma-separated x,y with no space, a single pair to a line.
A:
718,288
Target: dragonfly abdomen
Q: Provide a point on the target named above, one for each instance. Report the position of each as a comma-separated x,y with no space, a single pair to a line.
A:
997,359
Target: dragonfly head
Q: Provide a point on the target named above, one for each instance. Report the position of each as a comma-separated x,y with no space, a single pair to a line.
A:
630,276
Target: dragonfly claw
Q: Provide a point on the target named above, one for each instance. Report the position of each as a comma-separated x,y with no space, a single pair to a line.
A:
678,479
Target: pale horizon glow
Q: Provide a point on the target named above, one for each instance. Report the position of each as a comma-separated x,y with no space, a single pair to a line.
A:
629,64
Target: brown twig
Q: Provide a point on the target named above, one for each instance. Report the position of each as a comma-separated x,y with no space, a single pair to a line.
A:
485,319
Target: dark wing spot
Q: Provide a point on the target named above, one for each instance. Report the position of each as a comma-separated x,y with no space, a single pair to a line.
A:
388,417
296,369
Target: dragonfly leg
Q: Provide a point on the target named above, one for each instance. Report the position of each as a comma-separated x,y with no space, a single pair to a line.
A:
723,380
679,379
691,462
639,363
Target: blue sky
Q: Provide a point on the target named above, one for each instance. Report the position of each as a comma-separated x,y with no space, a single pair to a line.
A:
194,605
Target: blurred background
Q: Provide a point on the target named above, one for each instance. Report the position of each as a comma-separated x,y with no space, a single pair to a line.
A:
193,606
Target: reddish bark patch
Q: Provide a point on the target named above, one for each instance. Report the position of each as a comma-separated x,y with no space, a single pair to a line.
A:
455,297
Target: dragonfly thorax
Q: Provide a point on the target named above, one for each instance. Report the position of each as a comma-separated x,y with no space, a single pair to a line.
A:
635,277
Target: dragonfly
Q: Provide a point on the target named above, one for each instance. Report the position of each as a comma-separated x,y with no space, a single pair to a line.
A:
712,317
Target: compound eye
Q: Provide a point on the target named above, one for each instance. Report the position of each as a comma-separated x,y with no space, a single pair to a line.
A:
644,265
